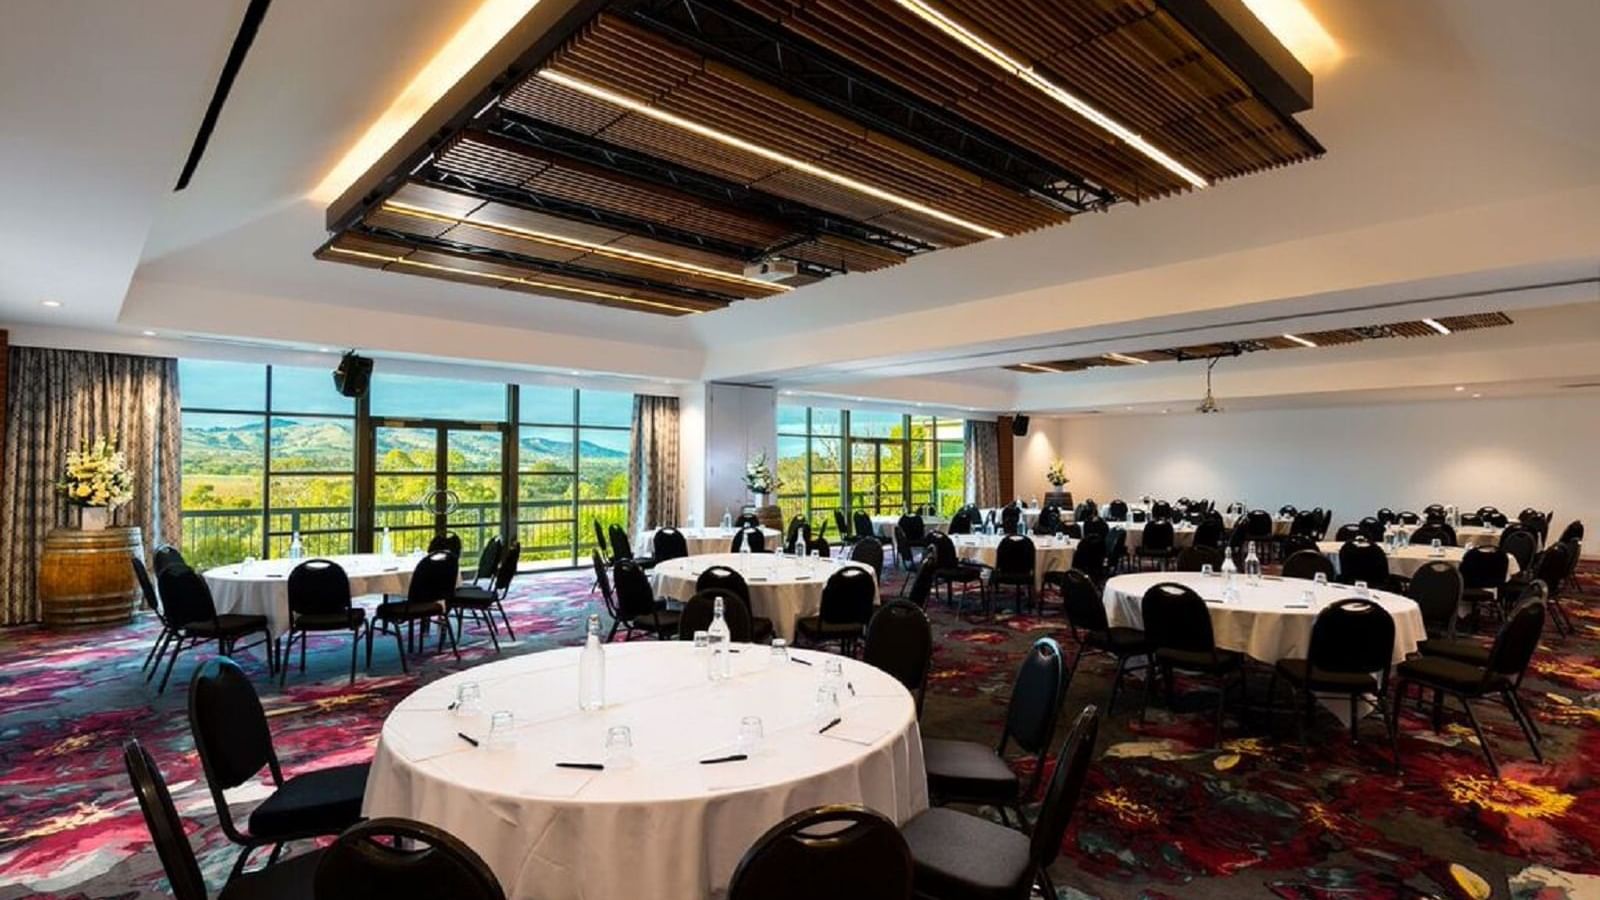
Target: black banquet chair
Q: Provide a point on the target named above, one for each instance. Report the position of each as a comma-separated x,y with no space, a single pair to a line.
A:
193,618
869,552
152,602
669,543
290,879
969,772
449,542
845,609
622,548
1436,589
399,859
1093,632
1363,560
484,602
1350,640
1307,564
433,582
1178,627
840,852
751,537
166,557
965,857
319,600
900,642
949,569
1014,560
1195,559
637,607
234,743
701,610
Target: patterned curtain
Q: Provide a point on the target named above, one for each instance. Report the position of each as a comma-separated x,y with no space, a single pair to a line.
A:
57,401
983,464
653,464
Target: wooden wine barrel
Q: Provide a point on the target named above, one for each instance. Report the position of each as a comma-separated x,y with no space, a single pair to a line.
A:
85,577
770,517
1062,499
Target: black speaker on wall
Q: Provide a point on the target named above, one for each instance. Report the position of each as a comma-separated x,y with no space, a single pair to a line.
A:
1019,425
353,375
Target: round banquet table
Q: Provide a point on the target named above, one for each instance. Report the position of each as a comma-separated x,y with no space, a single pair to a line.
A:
706,540
666,827
1408,559
262,588
1466,535
884,525
1048,556
1262,622
782,588
1182,534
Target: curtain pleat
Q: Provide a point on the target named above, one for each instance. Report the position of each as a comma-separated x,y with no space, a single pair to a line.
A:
983,463
57,401
653,464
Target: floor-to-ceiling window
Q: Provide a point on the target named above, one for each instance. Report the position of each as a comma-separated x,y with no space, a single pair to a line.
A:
268,452
869,460
572,469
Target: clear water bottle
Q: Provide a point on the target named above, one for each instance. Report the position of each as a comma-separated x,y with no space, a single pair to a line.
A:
799,544
720,660
388,542
1252,565
592,669
727,518
1230,574
297,550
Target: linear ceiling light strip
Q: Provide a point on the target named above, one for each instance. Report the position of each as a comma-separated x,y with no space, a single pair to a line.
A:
568,243
1125,359
529,282
784,159
1024,71
1299,340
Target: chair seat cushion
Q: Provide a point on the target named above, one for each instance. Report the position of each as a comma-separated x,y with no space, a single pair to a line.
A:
1200,660
409,609
1300,672
1155,551
959,573
325,801
470,593
227,625
1120,641
1475,653
958,855
813,627
999,577
1449,674
331,621
963,770
664,621
292,877
761,630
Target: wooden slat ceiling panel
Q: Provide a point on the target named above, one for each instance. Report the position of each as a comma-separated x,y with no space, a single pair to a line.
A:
852,256
517,217
480,158
1475,321
688,254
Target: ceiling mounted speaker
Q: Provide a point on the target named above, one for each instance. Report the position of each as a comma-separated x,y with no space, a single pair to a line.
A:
353,375
1019,426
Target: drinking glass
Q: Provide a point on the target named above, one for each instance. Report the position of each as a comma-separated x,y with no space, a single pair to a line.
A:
469,699
1308,597
619,747
1362,590
833,673
827,705
500,725
816,555
702,641
1436,547
750,735
1321,578
780,650
1205,569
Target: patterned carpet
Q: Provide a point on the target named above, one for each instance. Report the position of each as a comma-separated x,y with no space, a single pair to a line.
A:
1164,815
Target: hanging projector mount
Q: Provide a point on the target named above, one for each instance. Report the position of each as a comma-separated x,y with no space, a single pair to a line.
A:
1209,404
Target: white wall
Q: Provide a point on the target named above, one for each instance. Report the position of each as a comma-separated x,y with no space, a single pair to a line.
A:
1534,451
1032,456
741,421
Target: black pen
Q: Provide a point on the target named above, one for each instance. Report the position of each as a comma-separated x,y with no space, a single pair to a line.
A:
470,740
595,767
851,685
824,729
735,757
452,706
796,659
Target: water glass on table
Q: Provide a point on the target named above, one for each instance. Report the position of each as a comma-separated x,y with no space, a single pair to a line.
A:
619,747
469,699
826,707
500,725
750,735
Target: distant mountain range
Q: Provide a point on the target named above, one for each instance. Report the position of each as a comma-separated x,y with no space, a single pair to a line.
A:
332,440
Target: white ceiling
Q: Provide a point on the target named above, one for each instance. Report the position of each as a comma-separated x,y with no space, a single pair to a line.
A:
1462,160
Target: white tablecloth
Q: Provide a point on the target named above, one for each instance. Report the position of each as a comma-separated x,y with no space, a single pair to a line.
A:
262,588
1466,535
884,525
667,827
1048,556
782,588
1182,535
1411,557
705,540
1258,623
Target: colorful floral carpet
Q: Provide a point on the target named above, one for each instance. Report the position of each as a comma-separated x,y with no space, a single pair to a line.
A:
1164,814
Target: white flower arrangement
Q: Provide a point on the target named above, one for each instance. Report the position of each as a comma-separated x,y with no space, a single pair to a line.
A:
97,475
1057,473
759,477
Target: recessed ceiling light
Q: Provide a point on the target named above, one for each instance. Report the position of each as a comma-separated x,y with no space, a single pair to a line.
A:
1461,387
1050,89
1035,367
1300,340
1165,411
148,333
1124,358
53,304
859,399
324,349
1128,408
1476,396
574,372
1434,324
722,137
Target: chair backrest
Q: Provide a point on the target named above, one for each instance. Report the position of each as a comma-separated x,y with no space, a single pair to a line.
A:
230,727
668,543
1522,544
1352,636
1349,531
944,549
600,538
185,596
1436,588
603,578
1192,559
1573,532
1082,603
847,596
1116,548
1015,555
748,536
318,586
1258,525
1065,788
166,557
1161,509
621,547
1550,567
489,558
1117,509
1371,529
1208,533
797,526
1407,517
1010,518
1305,523
900,642
722,578
819,546
747,520
869,552
506,571
635,596
701,609
1363,560
1306,564
1096,526
434,578
1387,516
1158,535
1175,617
961,522
1049,521
1090,556
1296,543
166,827
913,526
863,523
449,542
1288,511
1517,640
399,859
922,584
147,588
1036,697
1435,531
902,544
1485,567
839,852
842,522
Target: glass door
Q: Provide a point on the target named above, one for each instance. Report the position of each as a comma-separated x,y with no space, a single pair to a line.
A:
433,477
